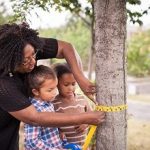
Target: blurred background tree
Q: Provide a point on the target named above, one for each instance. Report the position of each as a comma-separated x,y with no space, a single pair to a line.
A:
79,29
86,14
75,32
138,54
4,16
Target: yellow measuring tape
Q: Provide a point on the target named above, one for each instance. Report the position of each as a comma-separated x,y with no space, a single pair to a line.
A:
93,128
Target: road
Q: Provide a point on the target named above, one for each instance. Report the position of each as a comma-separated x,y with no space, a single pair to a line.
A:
139,110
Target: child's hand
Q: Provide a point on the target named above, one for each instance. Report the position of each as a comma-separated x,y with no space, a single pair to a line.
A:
62,135
81,128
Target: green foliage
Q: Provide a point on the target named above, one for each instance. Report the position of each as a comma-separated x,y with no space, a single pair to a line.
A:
135,16
134,2
138,54
76,33
23,7
4,18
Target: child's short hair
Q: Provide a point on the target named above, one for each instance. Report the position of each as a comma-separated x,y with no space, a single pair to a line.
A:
61,68
37,77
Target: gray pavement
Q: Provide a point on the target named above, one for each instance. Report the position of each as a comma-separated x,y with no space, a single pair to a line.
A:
139,110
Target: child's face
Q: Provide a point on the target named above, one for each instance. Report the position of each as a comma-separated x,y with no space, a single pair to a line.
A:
67,85
48,90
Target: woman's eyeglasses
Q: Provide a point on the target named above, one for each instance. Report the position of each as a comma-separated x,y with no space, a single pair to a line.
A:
27,60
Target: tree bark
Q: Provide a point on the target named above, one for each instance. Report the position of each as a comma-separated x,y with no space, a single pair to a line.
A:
110,35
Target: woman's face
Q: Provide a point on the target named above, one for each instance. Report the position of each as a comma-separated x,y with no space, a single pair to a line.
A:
28,61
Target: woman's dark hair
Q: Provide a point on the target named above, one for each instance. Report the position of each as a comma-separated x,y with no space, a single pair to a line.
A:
61,68
13,39
38,76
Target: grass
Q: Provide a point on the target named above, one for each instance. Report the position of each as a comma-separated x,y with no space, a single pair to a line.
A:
138,135
139,131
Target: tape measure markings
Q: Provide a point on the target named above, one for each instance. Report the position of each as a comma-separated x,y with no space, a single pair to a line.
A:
93,128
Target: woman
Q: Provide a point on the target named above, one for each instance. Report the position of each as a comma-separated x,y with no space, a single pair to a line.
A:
20,47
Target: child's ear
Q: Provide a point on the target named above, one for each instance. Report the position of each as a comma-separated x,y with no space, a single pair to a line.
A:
35,92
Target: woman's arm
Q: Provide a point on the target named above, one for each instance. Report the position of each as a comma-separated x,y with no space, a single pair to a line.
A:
52,119
67,51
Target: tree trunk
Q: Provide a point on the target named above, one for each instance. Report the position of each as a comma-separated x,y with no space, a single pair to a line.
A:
110,35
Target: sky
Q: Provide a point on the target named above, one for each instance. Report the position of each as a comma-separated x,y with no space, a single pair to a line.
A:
56,19
53,18
146,18
45,19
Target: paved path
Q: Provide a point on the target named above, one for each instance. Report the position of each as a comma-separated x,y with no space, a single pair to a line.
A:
139,110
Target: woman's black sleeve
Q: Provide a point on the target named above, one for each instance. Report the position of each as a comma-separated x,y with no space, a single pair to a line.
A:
49,48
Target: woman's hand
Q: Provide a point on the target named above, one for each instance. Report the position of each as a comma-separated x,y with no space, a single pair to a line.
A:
88,89
95,118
